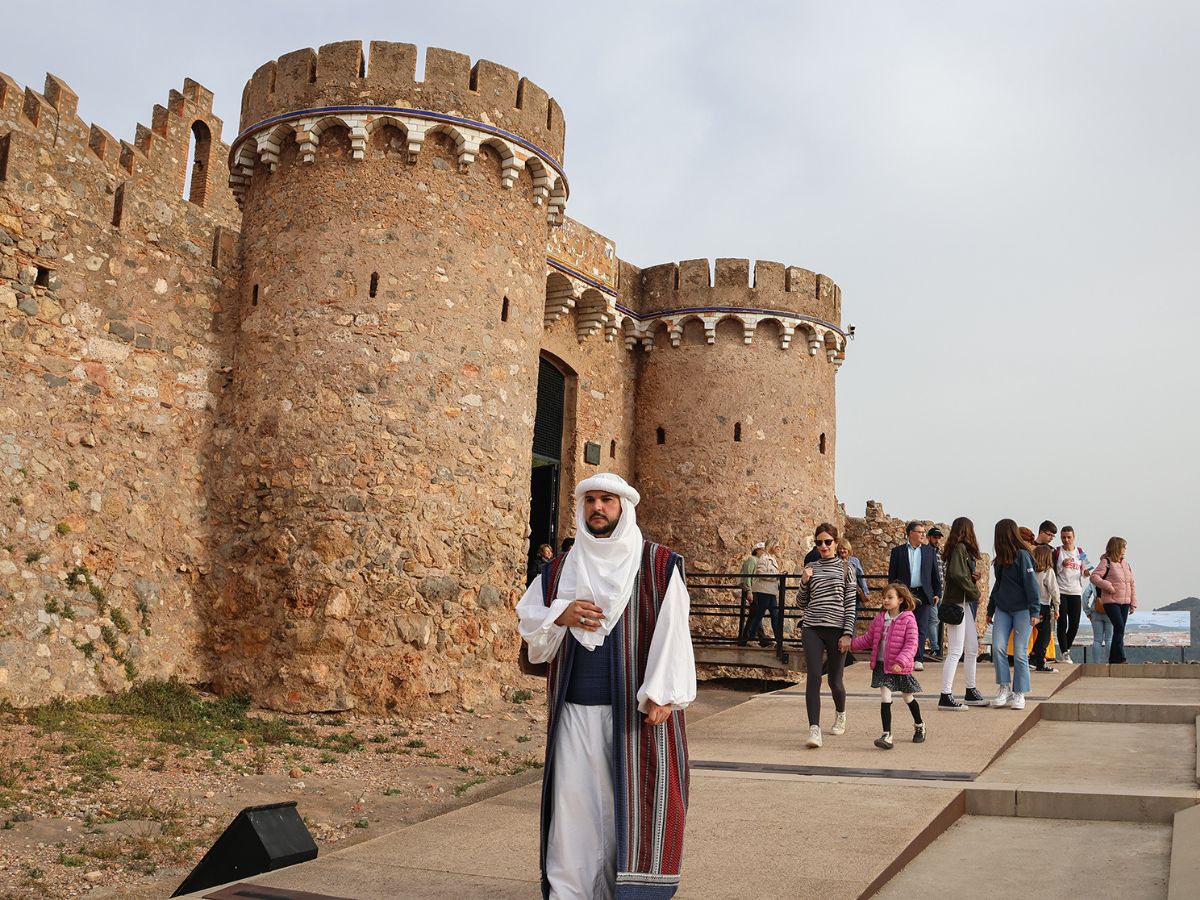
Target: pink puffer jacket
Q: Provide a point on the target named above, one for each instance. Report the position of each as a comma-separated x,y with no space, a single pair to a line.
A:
901,642
1115,581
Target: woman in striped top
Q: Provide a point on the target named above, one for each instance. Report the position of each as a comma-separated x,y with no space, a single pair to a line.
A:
827,595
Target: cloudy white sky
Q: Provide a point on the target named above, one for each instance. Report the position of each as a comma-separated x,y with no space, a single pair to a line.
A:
1007,193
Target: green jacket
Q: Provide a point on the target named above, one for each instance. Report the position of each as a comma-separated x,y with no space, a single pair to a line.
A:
749,564
960,583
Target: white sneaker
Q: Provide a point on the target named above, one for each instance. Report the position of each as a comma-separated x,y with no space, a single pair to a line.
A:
1018,701
918,667
814,736
1003,696
1066,658
839,725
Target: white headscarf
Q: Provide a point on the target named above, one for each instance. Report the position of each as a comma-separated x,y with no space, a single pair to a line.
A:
603,569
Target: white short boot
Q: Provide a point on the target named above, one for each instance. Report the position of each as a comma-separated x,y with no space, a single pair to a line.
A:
1003,696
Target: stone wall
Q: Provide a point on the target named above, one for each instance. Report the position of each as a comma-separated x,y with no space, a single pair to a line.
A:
735,412
268,416
113,341
381,416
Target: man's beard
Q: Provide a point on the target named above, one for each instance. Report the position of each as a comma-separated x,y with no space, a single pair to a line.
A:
603,531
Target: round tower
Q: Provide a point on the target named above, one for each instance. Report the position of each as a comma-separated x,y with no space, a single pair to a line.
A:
735,432
394,246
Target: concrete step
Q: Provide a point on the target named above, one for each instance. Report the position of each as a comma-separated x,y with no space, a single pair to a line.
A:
1142,670
1104,859
1161,701
1185,855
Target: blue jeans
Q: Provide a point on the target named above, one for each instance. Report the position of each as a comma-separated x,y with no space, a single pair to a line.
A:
763,603
1117,614
1102,636
927,627
1018,625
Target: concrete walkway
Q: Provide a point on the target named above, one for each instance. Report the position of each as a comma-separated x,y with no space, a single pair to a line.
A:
771,819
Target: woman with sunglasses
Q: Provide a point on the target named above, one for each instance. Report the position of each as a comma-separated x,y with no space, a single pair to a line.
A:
827,598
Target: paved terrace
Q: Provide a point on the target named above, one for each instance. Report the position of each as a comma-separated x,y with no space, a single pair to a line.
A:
1101,766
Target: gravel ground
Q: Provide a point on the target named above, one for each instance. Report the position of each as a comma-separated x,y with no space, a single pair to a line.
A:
103,805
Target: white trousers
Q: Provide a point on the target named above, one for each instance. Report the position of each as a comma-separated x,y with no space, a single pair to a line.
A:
581,853
960,636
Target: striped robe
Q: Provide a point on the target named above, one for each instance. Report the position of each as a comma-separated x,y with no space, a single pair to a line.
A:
650,763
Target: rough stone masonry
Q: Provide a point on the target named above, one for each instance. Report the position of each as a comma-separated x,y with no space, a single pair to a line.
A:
268,407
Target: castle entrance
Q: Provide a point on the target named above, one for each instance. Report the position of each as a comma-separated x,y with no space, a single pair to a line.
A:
545,484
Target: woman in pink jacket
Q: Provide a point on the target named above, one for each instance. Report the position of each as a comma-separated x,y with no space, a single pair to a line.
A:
1117,592
892,638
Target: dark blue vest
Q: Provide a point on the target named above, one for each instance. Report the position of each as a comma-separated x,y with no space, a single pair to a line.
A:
591,675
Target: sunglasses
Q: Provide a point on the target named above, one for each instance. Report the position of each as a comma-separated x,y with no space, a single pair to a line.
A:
824,543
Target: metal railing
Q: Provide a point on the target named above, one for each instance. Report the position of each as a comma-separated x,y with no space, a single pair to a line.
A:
721,596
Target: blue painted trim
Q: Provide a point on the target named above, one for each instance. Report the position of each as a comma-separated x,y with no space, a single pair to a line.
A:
402,111
737,309
575,273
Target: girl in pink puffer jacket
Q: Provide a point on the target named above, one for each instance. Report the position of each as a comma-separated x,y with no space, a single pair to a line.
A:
893,638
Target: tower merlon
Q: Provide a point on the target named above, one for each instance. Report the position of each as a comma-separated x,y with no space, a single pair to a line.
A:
340,75
797,299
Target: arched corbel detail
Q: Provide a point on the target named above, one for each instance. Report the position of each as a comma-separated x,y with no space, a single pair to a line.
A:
510,164
542,179
560,297
590,314
557,202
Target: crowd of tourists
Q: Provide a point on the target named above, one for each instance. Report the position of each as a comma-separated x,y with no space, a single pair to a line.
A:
930,610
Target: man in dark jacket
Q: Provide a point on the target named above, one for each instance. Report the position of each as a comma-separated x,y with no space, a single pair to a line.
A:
915,565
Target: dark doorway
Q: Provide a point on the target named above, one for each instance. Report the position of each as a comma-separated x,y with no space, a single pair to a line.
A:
547,461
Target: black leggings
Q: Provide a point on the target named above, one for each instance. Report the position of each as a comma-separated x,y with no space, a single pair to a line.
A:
1068,621
817,642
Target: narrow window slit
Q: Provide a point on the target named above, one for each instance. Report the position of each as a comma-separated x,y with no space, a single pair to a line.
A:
737,431
254,296
118,205
374,283
660,435
504,311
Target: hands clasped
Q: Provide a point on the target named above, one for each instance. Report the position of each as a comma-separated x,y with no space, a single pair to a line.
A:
581,614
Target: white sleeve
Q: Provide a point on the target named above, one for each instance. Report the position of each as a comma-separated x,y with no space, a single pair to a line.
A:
536,623
671,665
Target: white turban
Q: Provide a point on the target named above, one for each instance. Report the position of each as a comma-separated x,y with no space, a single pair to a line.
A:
603,569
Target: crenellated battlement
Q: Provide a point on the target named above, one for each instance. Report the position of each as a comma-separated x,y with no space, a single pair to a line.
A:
339,74
729,280
153,163
305,93
789,299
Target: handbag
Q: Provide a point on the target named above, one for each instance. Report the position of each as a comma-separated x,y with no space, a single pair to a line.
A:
950,613
541,670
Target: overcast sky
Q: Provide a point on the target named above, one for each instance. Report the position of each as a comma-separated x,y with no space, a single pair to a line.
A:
1006,192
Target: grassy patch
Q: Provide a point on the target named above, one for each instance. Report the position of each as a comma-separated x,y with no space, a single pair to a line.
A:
468,784
521,696
167,711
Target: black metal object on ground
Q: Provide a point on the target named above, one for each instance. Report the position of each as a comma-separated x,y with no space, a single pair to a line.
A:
260,839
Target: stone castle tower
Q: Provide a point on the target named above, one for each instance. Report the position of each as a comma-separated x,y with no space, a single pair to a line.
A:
296,436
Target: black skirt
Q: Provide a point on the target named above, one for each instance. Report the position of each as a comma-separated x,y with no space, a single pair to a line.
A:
900,684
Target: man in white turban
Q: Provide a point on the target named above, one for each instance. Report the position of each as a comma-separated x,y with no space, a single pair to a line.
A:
611,619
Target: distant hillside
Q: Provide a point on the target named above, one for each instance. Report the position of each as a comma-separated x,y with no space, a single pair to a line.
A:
1187,604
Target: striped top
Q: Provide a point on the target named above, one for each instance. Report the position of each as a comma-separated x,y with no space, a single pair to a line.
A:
828,598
